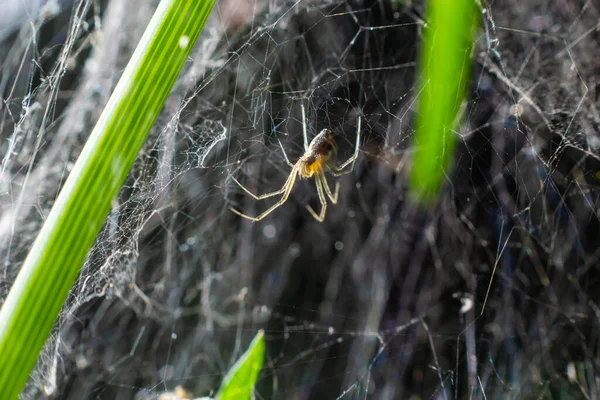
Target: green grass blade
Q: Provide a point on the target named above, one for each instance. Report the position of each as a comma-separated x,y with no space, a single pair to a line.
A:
240,380
54,261
445,71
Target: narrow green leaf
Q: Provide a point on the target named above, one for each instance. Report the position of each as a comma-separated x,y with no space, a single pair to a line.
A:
445,71
241,378
54,261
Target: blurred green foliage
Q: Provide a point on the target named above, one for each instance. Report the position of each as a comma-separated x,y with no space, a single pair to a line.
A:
239,382
445,72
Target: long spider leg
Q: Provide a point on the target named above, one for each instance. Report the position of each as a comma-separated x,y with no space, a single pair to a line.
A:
304,134
266,195
287,188
262,196
287,160
332,197
351,159
321,216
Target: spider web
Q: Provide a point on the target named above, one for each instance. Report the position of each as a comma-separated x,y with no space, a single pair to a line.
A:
490,294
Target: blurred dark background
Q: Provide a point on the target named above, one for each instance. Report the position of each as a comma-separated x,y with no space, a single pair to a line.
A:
490,293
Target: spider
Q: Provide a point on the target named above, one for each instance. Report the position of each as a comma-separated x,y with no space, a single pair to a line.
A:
318,158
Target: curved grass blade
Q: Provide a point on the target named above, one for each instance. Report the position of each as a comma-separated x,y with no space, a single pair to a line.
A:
59,251
239,382
445,71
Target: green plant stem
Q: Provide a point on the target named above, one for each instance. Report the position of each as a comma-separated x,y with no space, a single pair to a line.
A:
59,251
445,73
239,382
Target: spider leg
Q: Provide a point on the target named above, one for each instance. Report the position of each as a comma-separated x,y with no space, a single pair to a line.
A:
332,197
304,135
321,216
286,190
270,194
262,196
352,159
287,160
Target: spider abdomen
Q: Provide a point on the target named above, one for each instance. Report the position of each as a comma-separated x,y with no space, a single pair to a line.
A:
322,144
319,154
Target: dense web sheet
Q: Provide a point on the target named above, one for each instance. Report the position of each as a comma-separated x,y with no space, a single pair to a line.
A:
490,294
